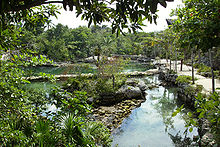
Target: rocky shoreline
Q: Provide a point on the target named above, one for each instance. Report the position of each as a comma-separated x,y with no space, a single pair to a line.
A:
187,97
114,109
111,109
113,116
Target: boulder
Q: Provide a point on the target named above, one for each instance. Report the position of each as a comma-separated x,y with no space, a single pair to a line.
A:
137,83
108,99
132,82
141,84
130,92
169,78
133,89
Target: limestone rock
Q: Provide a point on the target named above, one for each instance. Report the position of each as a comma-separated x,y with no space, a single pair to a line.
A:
131,92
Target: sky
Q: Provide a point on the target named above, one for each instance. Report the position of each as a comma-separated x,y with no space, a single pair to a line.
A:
69,18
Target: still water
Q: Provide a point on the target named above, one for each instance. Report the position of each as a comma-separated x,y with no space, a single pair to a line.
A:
84,68
151,125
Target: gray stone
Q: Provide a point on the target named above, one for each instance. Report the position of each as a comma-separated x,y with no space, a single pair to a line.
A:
131,92
137,83
142,85
132,82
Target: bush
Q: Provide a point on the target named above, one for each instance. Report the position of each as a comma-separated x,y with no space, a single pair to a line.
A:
203,68
207,107
24,122
183,80
72,85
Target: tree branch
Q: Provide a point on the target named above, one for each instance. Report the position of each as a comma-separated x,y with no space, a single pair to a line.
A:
30,5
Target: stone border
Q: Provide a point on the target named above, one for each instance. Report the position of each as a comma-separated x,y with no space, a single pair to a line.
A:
189,99
113,116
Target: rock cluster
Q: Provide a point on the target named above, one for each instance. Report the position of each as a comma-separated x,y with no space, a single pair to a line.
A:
112,109
184,96
113,116
168,78
187,95
133,89
205,133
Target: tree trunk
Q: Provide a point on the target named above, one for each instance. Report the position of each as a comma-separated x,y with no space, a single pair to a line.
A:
175,60
213,76
170,57
192,55
181,65
170,64
167,54
199,56
113,81
154,54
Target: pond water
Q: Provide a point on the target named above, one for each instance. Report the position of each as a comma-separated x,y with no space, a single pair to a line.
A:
85,68
151,124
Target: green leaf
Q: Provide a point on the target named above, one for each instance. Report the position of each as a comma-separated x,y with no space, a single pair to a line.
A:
174,114
190,129
26,81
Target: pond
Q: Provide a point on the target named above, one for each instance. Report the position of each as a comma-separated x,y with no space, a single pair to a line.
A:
84,68
151,124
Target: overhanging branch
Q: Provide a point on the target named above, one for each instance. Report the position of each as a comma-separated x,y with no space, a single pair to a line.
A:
30,5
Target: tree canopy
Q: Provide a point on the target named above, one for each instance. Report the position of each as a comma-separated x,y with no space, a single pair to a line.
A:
199,23
121,13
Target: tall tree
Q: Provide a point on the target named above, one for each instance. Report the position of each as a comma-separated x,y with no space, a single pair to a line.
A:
200,21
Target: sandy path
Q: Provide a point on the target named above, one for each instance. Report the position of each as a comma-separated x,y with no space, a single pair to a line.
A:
204,81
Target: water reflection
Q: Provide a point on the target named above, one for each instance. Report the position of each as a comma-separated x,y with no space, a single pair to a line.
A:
151,124
78,68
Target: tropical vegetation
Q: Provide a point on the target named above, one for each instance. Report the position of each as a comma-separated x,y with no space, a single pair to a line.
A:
28,39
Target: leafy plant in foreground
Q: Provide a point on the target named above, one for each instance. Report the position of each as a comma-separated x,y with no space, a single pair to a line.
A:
206,108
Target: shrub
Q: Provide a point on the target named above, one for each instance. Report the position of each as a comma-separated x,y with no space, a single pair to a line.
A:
206,108
183,79
203,68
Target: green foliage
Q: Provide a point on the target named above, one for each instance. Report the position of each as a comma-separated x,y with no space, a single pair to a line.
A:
184,79
107,80
97,132
21,121
203,68
178,110
171,72
192,90
44,137
18,111
207,107
61,43
24,120
198,14
128,15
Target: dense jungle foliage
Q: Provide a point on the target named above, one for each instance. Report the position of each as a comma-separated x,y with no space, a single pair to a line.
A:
27,39
61,43
24,42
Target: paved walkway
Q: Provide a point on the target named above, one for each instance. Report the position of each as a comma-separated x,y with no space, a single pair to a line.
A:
187,70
